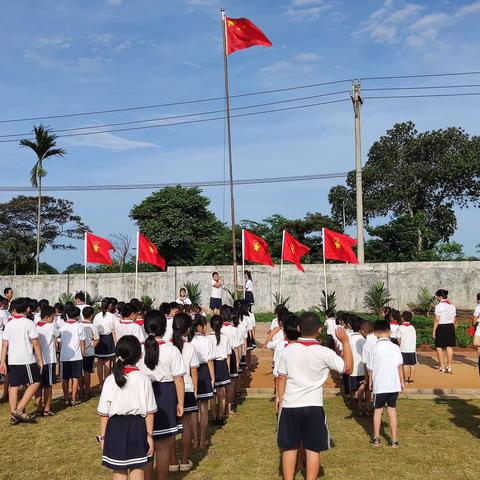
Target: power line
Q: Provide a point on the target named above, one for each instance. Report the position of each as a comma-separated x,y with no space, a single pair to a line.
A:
424,75
201,120
423,87
186,115
154,186
172,104
425,95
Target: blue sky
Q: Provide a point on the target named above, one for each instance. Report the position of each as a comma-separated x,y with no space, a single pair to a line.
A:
74,56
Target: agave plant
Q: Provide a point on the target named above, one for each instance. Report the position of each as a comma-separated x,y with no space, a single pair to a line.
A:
235,294
194,292
94,301
148,301
280,300
424,303
329,299
66,298
377,297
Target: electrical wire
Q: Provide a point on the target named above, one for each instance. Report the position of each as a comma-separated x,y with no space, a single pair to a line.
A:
423,75
424,95
423,87
154,186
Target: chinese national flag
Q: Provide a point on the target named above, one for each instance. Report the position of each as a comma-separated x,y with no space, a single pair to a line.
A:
98,249
242,33
338,246
148,252
255,249
293,250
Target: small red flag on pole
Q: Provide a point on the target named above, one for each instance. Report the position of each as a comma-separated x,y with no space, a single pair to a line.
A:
98,249
242,33
255,249
338,246
293,250
148,252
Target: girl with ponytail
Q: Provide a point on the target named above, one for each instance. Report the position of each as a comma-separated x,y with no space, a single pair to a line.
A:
163,365
206,379
127,407
222,350
105,350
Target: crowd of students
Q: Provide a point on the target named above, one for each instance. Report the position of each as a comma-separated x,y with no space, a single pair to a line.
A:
167,371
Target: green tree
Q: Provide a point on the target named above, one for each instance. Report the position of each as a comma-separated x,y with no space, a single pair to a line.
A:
422,176
450,251
44,147
177,220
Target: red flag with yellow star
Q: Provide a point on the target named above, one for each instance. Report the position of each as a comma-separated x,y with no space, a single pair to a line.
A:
338,246
148,252
293,250
255,249
241,33
98,249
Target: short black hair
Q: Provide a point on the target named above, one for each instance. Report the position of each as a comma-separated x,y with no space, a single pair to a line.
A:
43,303
80,296
356,323
381,326
173,305
309,323
290,327
214,273
88,312
47,311
442,293
126,310
71,311
6,290
165,308
20,305
407,316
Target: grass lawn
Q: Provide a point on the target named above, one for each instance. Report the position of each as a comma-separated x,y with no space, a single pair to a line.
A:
439,439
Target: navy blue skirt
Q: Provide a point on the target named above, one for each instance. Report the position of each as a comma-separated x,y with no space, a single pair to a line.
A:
165,423
233,365
243,361
222,375
205,390
249,298
250,341
190,404
105,347
125,445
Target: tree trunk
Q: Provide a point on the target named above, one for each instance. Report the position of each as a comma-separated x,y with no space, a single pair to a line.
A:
15,265
39,213
419,241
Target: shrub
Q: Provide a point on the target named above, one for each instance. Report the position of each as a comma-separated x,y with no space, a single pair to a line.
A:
66,298
331,299
377,297
280,300
194,292
148,301
424,303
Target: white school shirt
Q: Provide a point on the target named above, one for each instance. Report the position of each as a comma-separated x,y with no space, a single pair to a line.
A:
476,312
4,316
274,324
81,306
47,334
169,366
249,286
37,317
91,336
306,364
277,354
251,320
331,325
223,349
58,320
369,345
408,338
71,334
104,323
168,330
276,340
357,342
19,333
243,329
234,334
136,397
190,360
446,311
386,359
216,291
125,326
394,330
185,301
204,348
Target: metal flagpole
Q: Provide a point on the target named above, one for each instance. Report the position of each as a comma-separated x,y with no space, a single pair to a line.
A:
243,258
85,248
324,270
281,266
136,265
229,137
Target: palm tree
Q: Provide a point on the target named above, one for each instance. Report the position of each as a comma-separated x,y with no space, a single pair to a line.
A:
43,146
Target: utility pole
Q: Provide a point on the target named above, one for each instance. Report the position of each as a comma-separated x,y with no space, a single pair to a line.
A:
357,106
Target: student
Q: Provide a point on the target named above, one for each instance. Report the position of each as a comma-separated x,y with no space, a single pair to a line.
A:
79,301
386,382
248,288
21,344
444,330
206,379
8,294
476,325
395,321
92,339
126,325
346,321
221,363
230,328
105,350
279,311
48,335
181,327
4,313
407,336
183,298
331,325
243,330
72,349
216,294
370,344
303,369
163,365
126,408
357,377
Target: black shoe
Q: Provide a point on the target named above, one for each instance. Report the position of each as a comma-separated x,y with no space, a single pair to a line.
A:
393,444
375,442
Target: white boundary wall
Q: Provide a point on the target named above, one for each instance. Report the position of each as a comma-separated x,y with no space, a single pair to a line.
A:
350,283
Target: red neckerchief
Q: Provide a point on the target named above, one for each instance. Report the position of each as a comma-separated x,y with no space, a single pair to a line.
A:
129,369
140,322
163,342
393,322
446,300
41,324
227,324
17,316
71,321
309,342
406,324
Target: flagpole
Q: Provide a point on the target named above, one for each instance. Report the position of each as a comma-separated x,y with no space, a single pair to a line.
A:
243,258
136,265
230,162
324,270
85,277
281,266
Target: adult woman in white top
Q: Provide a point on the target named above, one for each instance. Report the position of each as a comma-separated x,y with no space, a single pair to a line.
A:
444,330
476,324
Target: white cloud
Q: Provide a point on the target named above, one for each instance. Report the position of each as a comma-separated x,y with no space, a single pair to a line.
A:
108,141
122,46
300,62
114,2
77,65
468,9
103,39
308,57
276,67
308,10
57,42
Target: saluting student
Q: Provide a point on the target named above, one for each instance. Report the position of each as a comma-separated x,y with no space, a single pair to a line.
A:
105,350
216,294
126,408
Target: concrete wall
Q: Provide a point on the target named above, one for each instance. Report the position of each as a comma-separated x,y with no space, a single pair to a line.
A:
350,282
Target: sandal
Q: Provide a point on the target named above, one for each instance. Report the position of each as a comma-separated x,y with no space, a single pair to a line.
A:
14,421
76,402
393,444
22,417
67,403
48,413
448,370
204,445
441,370
174,468
375,442
195,444
186,467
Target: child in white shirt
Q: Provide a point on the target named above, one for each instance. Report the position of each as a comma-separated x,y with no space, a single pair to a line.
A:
407,336
92,339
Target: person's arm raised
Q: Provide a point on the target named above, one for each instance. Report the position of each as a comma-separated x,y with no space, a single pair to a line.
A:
342,336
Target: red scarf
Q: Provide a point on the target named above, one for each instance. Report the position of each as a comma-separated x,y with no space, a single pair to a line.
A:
446,300
140,322
71,321
406,324
227,324
129,369
41,324
309,342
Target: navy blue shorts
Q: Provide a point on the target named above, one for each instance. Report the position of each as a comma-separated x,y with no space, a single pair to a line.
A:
409,358
88,364
355,382
24,374
303,425
233,365
382,399
49,376
72,369
215,303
